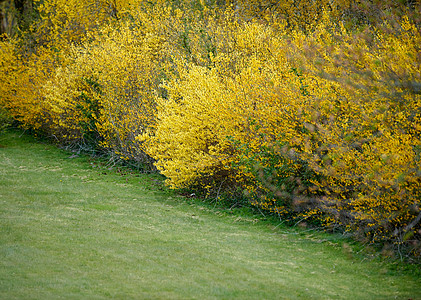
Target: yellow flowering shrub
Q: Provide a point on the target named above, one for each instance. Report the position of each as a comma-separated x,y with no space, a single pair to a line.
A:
63,22
106,95
9,65
323,124
241,100
371,163
43,48
21,92
8,71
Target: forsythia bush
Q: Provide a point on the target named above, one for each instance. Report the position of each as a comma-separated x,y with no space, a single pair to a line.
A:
309,109
372,165
105,95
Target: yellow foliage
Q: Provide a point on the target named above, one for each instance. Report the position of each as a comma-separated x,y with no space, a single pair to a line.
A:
345,117
9,65
108,89
63,22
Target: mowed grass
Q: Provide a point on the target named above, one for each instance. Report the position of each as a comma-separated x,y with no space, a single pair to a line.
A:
70,229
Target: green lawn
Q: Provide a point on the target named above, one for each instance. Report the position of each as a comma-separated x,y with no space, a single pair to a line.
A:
70,229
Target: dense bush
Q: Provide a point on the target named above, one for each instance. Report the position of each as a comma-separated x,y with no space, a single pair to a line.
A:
309,109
